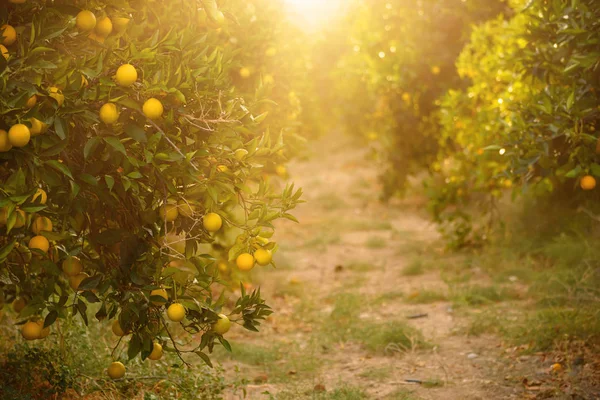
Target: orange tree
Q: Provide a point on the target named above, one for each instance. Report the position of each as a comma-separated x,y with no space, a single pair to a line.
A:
527,120
126,151
400,59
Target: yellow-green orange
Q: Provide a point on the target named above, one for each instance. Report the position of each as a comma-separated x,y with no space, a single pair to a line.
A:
223,325
72,266
185,208
169,212
116,328
263,256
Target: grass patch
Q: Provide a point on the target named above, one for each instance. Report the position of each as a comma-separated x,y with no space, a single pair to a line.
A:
252,354
376,374
415,268
345,325
345,393
323,239
388,296
425,296
376,242
476,295
361,266
401,394
330,201
544,328
368,225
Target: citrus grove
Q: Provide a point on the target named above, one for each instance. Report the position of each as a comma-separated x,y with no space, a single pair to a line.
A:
135,172
488,97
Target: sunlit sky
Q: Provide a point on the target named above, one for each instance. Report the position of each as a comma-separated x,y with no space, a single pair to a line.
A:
314,13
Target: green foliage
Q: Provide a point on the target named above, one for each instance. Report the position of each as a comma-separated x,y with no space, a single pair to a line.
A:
107,184
32,373
399,59
526,121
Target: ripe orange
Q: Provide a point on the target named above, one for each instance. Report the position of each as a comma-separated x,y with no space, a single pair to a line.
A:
4,142
75,281
85,20
588,182
4,51
126,75
109,113
21,219
104,27
245,262
41,224
18,304
176,312
19,135
212,222
39,197
153,108
245,72
157,352
116,370
9,34
37,127
159,292
31,330
57,95
40,243
32,101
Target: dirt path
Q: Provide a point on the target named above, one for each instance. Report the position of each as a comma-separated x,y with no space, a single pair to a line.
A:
342,293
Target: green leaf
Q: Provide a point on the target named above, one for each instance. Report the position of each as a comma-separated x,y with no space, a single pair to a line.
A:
90,283
90,146
50,318
135,346
59,167
110,181
204,358
136,132
61,128
116,144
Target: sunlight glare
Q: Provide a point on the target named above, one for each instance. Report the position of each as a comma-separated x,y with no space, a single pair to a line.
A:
312,13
